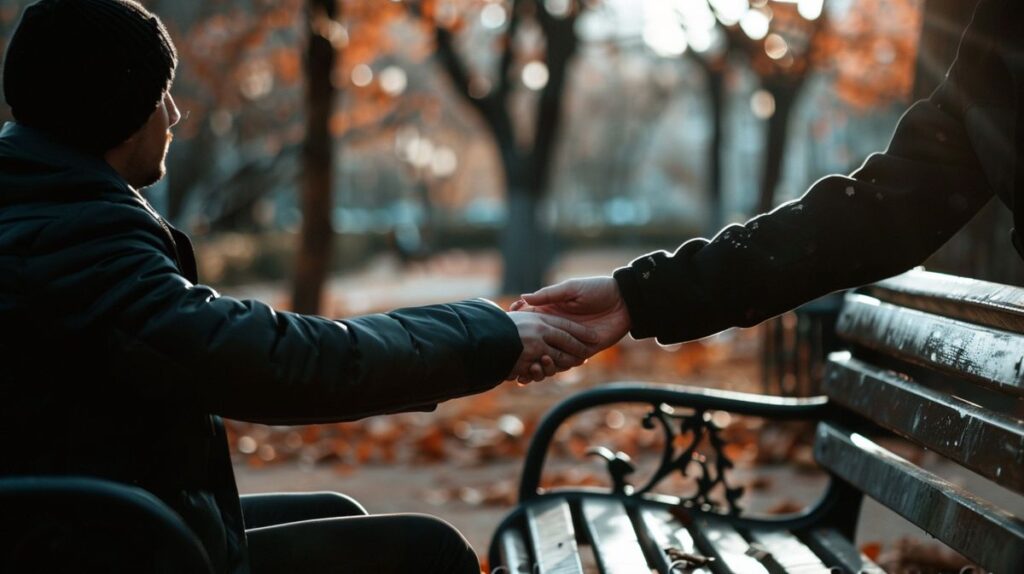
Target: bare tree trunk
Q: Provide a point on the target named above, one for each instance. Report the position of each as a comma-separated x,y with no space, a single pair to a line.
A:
714,73
526,250
785,91
316,234
527,245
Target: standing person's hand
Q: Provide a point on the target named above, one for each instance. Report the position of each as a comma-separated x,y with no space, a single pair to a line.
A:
594,302
551,344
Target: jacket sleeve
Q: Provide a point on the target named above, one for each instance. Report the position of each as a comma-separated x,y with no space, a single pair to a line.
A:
168,339
885,218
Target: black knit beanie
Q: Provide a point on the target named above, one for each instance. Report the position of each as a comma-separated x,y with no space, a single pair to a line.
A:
88,72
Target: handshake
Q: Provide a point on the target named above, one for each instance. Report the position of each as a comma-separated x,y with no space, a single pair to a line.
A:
563,325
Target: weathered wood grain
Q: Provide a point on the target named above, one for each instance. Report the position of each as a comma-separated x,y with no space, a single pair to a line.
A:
732,552
988,443
553,537
514,554
988,535
836,551
790,554
981,302
664,531
985,355
612,536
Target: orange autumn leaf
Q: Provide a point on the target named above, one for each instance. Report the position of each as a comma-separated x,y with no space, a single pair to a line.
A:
871,550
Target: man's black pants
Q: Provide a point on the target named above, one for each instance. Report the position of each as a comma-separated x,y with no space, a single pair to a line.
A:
322,532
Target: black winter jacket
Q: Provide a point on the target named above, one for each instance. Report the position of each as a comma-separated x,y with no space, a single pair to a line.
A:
114,361
947,156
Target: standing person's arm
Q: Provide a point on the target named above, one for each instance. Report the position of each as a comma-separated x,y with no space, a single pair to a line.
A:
885,218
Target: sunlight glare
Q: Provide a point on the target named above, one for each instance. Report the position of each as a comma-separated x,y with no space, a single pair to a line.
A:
558,8
362,75
755,24
810,9
730,12
665,38
762,103
444,162
535,75
493,16
393,80
695,15
775,47
663,31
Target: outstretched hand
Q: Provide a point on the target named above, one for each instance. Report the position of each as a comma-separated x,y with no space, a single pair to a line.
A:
594,302
551,344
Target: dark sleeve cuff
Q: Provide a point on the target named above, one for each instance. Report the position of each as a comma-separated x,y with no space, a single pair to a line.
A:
629,288
496,337
661,294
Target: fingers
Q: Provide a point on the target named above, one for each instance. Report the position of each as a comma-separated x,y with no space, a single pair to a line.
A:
565,349
552,294
580,332
530,373
537,371
550,345
548,365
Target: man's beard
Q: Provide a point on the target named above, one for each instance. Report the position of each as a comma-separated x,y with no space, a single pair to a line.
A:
160,170
154,177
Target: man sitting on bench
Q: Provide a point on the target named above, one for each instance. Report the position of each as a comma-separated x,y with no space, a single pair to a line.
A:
118,360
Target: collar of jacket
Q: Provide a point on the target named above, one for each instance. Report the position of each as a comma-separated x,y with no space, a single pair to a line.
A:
68,165
34,166
21,142
18,141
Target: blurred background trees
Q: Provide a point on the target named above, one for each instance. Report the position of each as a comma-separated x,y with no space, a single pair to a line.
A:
323,133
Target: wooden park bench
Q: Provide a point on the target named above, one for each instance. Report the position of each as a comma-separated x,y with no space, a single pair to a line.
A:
934,359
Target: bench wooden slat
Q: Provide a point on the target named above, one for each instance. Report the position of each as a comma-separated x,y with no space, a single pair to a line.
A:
974,527
980,302
988,443
835,550
514,554
792,555
613,538
733,553
988,356
553,537
664,532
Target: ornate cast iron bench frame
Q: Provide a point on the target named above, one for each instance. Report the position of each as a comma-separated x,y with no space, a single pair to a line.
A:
931,357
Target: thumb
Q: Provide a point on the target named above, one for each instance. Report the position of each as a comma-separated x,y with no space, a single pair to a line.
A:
552,294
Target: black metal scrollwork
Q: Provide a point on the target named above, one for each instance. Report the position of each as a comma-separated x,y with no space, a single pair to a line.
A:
694,428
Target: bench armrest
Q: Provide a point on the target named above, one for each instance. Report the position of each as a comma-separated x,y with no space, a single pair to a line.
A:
659,396
84,524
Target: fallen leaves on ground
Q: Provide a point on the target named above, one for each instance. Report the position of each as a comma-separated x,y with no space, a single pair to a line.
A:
913,556
498,424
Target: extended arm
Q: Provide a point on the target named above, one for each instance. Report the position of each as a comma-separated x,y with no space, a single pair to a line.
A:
170,340
885,218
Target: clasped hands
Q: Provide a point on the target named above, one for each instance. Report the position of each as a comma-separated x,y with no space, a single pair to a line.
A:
563,325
